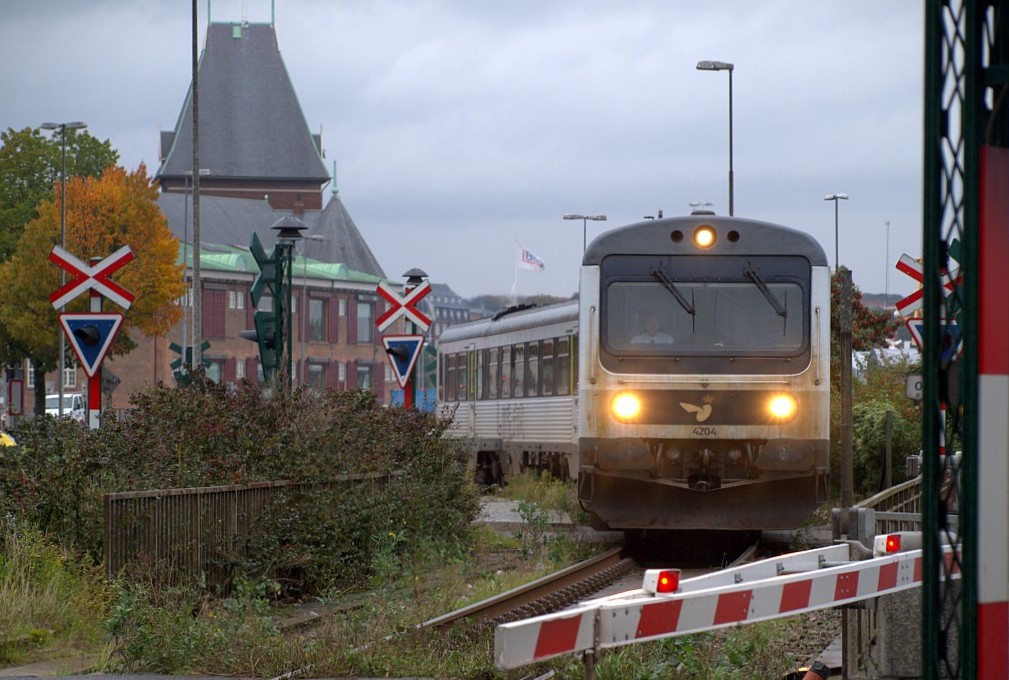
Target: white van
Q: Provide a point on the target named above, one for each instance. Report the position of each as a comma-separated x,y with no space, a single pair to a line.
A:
73,406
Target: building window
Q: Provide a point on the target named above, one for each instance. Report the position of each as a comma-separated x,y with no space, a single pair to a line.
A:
364,321
316,320
343,307
236,299
70,377
317,375
240,370
341,373
364,377
29,375
215,370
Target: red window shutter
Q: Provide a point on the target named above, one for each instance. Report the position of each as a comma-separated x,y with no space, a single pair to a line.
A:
215,303
351,375
252,370
333,308
351,325
378,381
229,370
333,375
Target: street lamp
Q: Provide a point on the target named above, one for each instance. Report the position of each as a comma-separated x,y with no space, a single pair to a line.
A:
289,230
723,66
185,263
585,220
835,198
63,127
306,310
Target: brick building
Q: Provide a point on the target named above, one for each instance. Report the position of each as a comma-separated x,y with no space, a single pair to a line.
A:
261,164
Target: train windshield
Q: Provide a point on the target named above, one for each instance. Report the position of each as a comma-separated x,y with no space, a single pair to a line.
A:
704,311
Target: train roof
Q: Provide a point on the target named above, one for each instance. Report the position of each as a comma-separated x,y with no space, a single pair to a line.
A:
654,237
510,322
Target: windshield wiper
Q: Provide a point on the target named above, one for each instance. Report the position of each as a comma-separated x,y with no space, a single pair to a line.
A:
688,307
779,309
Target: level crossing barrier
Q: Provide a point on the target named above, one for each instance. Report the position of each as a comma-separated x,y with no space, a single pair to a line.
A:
773,588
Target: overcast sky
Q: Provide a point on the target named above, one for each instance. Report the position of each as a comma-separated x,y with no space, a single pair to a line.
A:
461,126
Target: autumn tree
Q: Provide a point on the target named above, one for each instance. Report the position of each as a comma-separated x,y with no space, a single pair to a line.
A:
30,167
103,214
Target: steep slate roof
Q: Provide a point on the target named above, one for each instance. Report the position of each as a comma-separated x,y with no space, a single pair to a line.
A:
224,220
342,240
251,124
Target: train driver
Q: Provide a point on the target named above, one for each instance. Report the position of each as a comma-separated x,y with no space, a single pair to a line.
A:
651,333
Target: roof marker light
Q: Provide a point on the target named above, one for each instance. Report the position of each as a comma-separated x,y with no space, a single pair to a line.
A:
704,237
661,581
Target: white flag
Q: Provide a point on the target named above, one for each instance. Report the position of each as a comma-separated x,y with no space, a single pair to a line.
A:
527,259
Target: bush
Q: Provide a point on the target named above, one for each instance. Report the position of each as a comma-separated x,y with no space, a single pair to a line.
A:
206,434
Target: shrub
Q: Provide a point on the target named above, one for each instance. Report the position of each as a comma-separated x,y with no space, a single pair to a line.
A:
206,434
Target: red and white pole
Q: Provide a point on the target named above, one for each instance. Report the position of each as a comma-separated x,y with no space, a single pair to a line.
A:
95,381
993,418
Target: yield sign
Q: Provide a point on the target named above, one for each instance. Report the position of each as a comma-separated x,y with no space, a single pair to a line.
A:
949,336
91,335
86,277
406,305
403,351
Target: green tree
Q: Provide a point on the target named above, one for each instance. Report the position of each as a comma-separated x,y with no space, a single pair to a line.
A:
102,215
30,167
882,390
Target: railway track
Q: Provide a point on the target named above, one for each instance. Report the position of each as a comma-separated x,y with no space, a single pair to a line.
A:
609,573
544,595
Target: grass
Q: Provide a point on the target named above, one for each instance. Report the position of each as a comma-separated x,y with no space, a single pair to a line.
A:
179,629
52,602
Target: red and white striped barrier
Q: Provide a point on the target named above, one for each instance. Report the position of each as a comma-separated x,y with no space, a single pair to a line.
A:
773,588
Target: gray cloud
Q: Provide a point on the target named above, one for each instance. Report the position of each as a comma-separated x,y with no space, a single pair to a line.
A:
460,127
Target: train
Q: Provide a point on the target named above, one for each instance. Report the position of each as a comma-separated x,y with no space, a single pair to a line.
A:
686,387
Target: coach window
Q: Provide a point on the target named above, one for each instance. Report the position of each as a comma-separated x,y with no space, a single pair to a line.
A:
446,378
563,366
518,372
481,375
506,373
493,370
532,368
462,376
547,368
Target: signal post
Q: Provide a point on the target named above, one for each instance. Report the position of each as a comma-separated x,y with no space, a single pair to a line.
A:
403,350
91,334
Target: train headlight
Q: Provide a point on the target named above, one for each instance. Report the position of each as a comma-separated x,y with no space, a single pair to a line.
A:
783,407
626,406
704,237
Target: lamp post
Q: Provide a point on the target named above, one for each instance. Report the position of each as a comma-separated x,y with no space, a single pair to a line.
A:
835,198
185,263
288,231
585,220
723,66
63,127
306,310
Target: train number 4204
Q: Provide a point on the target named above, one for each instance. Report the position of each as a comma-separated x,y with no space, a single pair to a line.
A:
705,432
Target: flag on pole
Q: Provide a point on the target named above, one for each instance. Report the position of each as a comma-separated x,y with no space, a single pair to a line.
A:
526,259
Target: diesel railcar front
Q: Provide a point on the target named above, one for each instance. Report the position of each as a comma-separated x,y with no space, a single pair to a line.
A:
725,424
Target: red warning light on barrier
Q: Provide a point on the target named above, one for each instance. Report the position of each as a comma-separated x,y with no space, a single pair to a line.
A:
893,543
661,581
